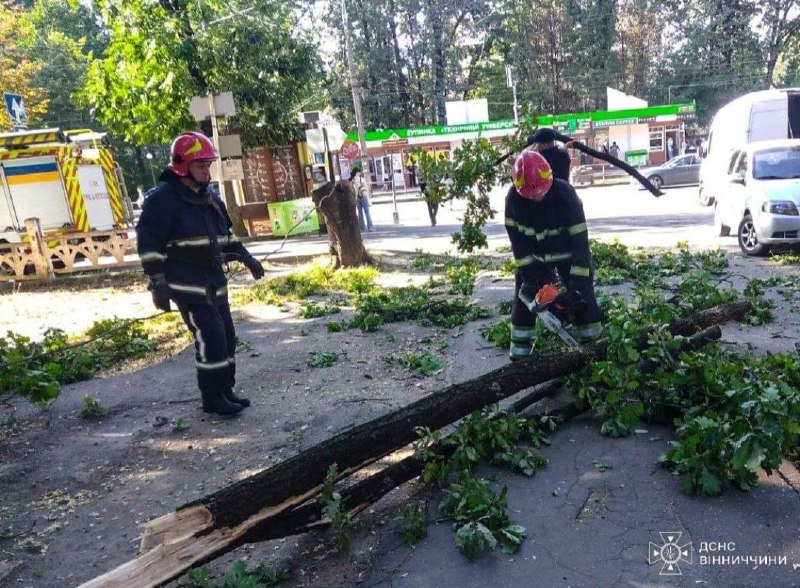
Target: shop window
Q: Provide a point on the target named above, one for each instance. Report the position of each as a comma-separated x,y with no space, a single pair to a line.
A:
657,140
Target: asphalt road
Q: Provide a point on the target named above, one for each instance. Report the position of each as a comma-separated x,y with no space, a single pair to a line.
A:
621,212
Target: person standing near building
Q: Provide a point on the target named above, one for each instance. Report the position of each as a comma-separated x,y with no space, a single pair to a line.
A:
614,150
363,204
547,228
433,206
184,238
544,141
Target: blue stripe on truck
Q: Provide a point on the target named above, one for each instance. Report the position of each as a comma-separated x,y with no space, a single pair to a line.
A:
21,170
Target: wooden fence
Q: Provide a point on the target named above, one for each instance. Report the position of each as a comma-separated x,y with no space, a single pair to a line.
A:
42,257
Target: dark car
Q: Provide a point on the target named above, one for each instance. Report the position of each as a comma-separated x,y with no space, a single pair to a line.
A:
680,171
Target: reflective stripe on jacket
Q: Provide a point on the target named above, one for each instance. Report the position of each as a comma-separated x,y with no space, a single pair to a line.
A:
186,236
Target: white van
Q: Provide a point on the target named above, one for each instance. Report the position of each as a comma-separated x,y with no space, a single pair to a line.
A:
758,116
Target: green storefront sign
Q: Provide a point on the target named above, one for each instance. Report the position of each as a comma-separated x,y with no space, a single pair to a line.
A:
563,122
294,217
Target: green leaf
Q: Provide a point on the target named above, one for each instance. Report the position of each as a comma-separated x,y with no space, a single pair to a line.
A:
755,457
709,484
473,538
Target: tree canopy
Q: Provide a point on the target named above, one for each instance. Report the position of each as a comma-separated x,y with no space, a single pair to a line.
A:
162,54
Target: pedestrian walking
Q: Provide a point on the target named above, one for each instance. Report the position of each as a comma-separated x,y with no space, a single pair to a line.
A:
433,206
184,240
363,203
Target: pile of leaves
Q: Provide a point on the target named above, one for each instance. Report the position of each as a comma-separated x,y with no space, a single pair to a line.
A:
412,303
615,264
36,370
735,413
477,511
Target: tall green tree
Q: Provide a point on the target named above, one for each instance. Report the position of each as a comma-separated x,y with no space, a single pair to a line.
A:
65,37
162,53
19,69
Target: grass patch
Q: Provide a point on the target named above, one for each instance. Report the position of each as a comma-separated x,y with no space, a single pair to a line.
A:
315,279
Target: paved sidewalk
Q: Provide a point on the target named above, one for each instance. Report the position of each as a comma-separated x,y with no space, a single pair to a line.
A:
592,528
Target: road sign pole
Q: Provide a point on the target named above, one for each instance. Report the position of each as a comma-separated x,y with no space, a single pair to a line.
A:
215,139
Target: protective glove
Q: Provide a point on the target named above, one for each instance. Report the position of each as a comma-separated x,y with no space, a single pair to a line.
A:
571,301
254,266
160,291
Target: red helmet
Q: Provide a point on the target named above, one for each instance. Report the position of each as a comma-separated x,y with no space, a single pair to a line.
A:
189,147
532,175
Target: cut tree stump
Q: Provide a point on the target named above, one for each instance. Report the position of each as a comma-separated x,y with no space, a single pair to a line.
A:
337,203
206,528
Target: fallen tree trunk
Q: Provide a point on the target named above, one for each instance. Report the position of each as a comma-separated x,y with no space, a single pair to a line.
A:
356,497
206,528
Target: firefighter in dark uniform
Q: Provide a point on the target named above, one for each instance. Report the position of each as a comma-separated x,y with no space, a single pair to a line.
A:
547,228
184,238
544,141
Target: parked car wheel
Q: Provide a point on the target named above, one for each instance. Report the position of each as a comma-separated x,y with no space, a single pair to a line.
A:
657,181
723,230
706,199
748,240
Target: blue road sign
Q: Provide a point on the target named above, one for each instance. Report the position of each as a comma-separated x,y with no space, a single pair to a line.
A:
16,110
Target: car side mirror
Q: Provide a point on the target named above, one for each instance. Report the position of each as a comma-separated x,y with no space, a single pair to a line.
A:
737,179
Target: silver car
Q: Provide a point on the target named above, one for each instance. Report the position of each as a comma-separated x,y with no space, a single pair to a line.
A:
679,171
763,197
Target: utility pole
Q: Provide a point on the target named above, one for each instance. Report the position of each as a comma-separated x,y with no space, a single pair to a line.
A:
348,49
215,139
511,82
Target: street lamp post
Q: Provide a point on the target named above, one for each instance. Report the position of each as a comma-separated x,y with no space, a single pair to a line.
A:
149,157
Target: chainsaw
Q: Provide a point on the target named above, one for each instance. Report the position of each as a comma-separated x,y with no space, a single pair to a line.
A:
551,312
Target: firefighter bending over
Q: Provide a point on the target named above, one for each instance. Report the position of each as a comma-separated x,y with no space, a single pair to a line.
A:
184,237
547,229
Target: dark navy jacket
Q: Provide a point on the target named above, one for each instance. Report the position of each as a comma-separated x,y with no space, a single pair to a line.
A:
551,232
185,236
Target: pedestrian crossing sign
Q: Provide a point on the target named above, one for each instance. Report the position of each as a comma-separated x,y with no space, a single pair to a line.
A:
16,111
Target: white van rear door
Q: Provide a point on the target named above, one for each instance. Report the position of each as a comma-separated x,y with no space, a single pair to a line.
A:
37,190
96,197
769,120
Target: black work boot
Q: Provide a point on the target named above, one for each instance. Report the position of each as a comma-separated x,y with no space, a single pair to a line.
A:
217,403
231,397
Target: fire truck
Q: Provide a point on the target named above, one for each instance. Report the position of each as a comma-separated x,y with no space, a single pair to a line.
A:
69,180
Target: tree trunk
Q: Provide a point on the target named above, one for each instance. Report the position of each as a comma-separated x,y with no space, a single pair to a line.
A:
336,203
434,13
402,82
214,524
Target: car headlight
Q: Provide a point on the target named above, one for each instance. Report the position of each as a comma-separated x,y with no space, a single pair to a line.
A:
785,207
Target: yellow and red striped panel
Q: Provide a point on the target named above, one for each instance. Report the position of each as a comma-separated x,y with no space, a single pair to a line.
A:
73,188
107,163
15,154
